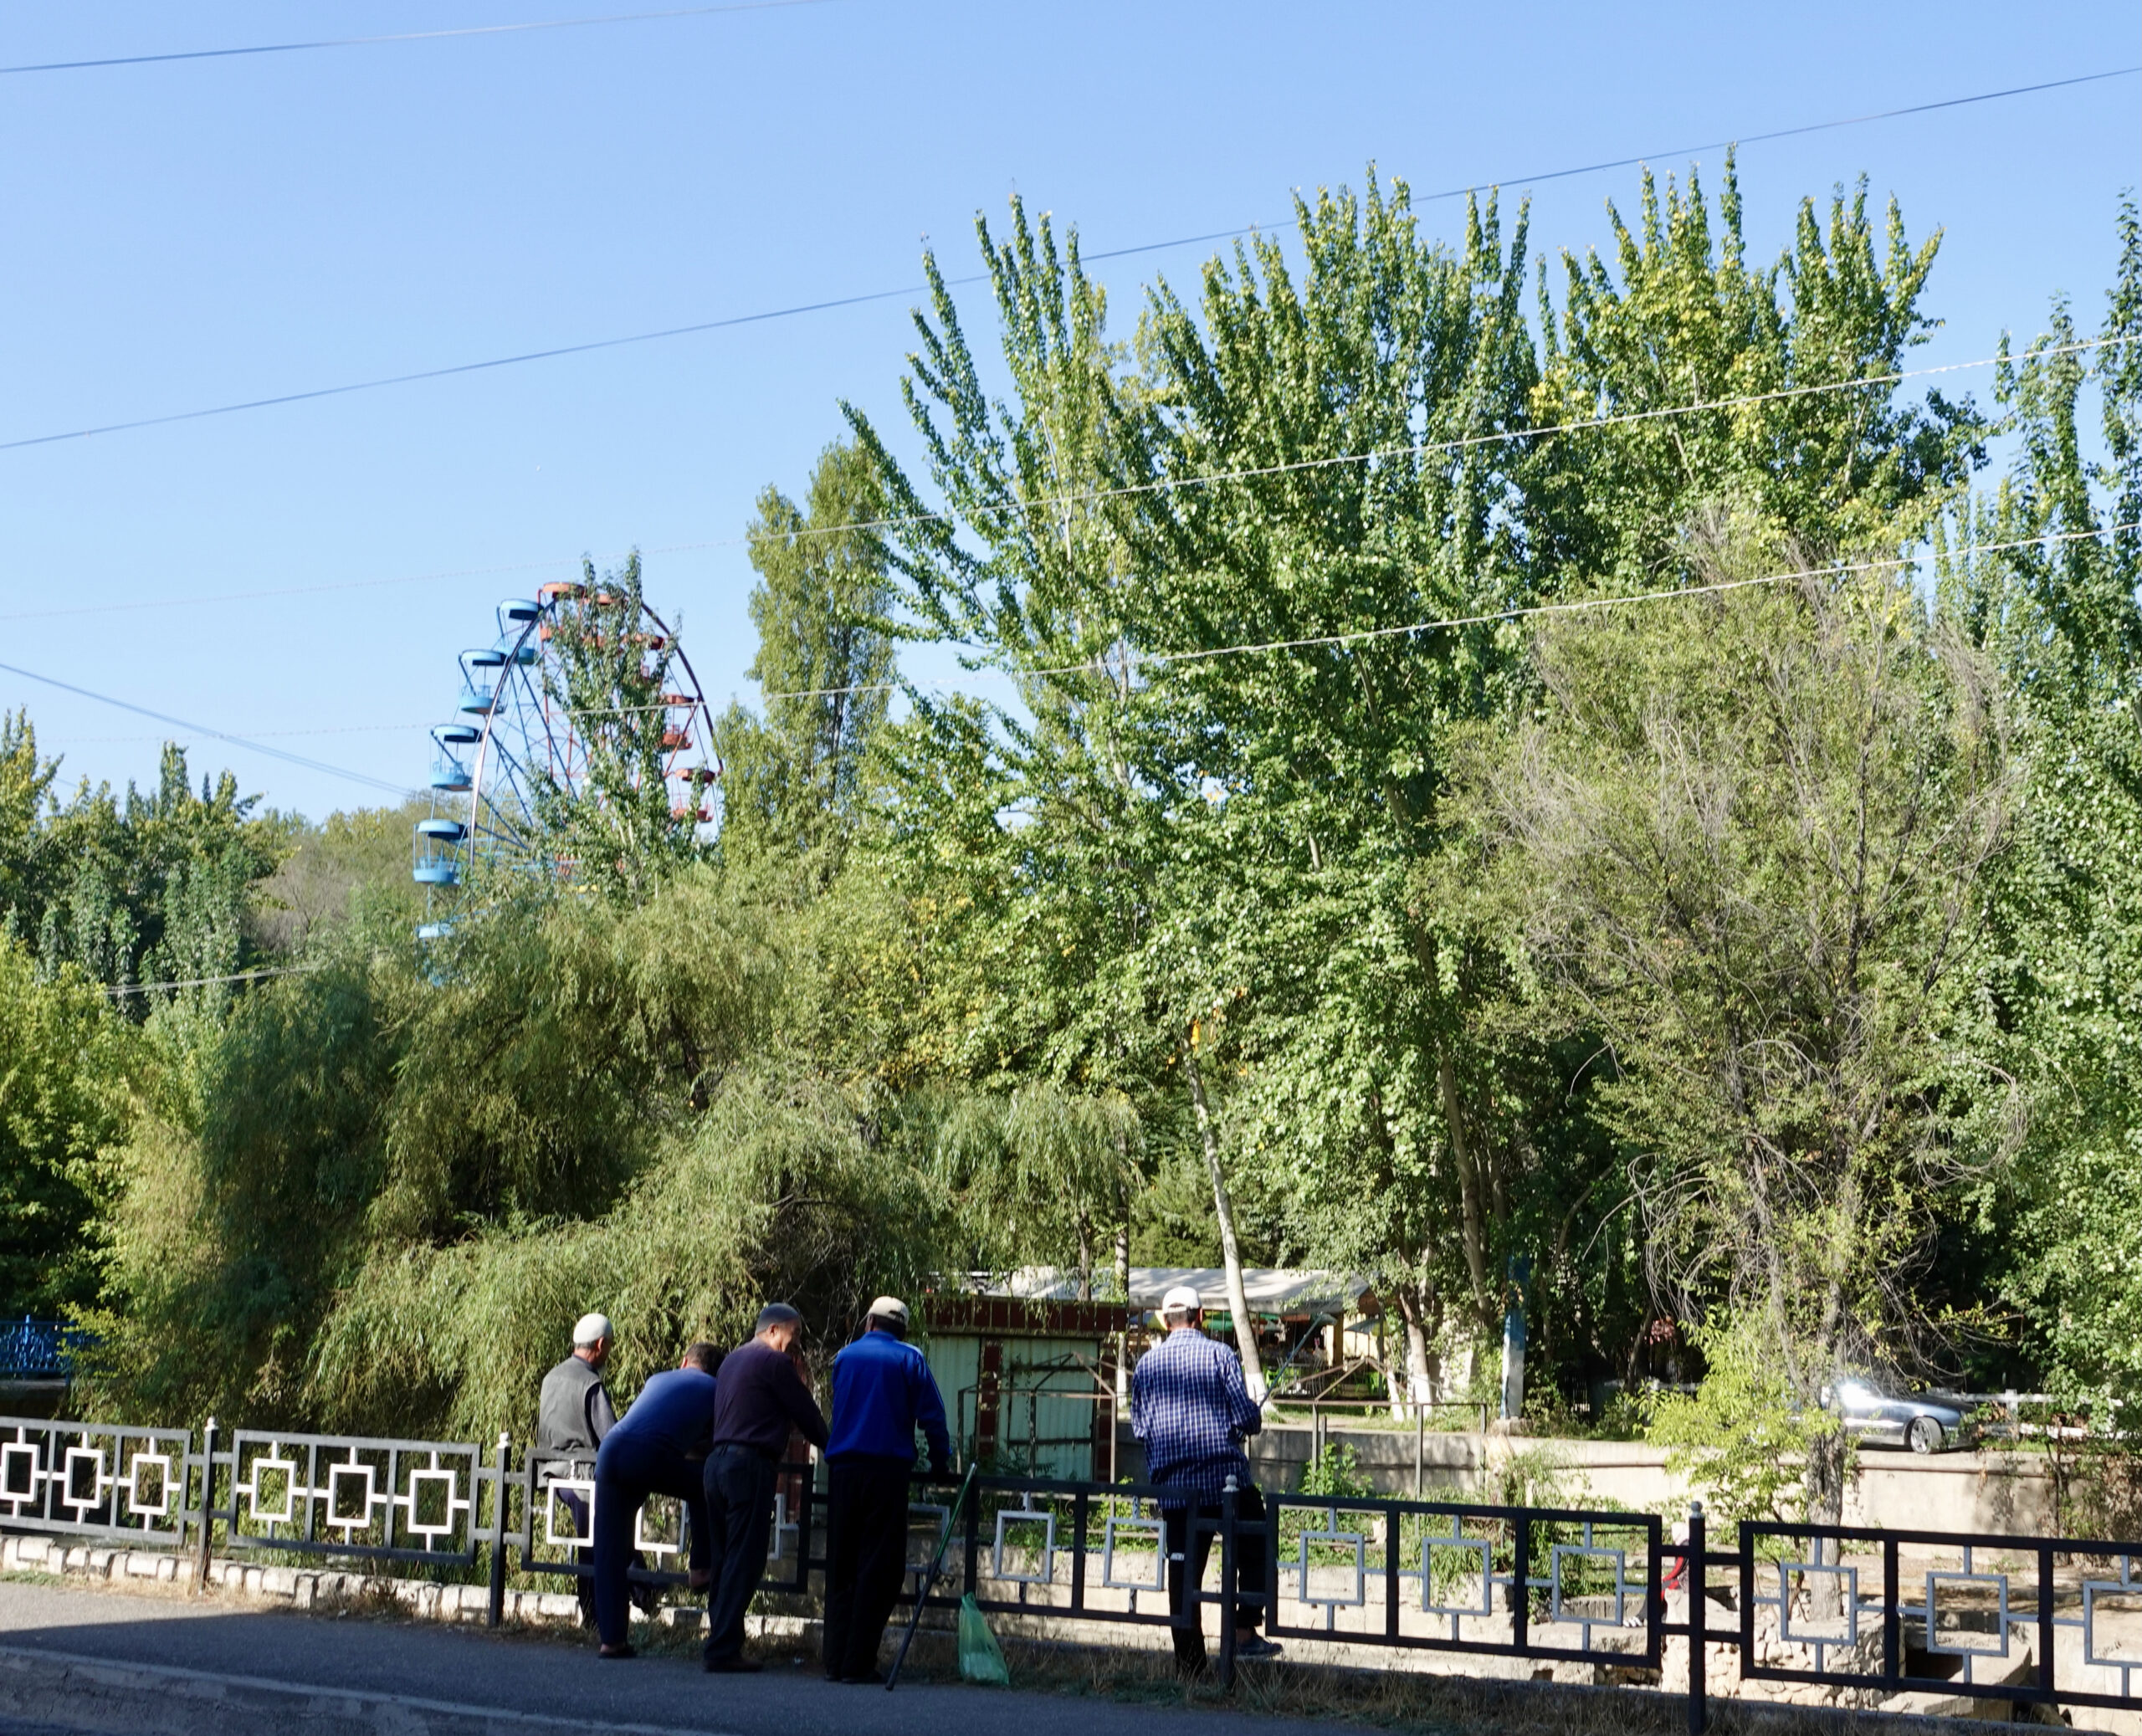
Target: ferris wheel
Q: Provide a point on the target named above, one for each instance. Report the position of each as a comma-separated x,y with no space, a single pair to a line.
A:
581,736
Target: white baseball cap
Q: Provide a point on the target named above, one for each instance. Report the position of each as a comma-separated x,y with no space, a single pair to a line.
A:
591,1328
1181,1300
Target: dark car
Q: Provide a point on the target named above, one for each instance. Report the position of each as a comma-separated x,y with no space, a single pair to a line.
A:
1925,1424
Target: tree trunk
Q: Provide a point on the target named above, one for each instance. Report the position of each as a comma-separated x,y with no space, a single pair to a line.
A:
1472,1230
1224,1208
1420,1310
1085,1258
1123,1294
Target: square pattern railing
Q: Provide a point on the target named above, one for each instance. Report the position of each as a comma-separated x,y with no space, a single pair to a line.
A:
82,1479
374,1499
2049,1621
1536,1582
2025,1619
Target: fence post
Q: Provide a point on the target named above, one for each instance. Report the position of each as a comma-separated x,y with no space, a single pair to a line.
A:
1698,1711
207,1505
496,1612
1229,1613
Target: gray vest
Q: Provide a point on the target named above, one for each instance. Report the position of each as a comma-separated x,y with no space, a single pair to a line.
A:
561,1418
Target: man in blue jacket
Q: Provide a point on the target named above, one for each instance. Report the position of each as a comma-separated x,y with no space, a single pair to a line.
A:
651,1452
883,1391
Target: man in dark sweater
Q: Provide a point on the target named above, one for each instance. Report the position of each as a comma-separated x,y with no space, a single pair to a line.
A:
649,1453
762,1397
883,1391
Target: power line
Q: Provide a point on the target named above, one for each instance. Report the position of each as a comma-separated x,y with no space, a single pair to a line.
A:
1362,635
858,301
1794,132
162,717
1089,497
1420,448
199,982
361,42
1356,636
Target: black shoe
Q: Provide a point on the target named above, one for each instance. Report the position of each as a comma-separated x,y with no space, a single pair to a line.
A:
1258,1647
731,1666
616,1652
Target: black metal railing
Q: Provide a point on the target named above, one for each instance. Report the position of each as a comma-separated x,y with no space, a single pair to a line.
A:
1874,1612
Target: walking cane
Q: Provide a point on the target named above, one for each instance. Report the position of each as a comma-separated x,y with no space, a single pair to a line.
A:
930,1580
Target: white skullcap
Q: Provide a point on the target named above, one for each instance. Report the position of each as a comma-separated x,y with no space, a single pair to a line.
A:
591,1328
1181,1300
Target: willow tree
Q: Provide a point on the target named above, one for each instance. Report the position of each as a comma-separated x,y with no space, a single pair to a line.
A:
1755,830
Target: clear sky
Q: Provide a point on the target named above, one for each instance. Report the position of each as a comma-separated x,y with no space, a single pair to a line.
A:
192,234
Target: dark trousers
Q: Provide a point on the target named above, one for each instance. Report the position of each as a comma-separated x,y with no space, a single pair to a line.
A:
740,1483
575,1503
866,1554
1187,1554
626,1472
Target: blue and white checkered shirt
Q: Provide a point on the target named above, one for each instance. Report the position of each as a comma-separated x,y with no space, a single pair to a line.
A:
1189,1405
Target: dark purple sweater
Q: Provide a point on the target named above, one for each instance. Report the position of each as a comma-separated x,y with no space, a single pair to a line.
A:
761,1397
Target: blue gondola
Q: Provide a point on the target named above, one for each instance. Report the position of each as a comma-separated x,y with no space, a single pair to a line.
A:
435,856
449,760
479,680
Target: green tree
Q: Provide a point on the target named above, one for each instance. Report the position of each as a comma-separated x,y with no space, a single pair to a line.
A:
793,785
1756,828
2058,609
609,820
1030,834
67,1068
1688,323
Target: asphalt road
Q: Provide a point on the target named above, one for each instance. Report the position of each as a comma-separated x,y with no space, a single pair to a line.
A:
110,1661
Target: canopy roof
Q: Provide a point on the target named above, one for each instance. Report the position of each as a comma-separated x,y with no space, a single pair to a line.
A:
1272,1290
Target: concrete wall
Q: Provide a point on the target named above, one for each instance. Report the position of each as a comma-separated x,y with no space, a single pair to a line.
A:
1985,1491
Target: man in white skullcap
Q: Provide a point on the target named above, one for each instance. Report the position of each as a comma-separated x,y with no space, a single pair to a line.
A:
573,1416
1190,1407
883,1392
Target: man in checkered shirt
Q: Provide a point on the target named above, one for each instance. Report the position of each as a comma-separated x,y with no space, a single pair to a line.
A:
1189,1405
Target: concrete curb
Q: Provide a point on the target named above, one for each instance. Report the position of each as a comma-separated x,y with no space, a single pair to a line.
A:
90,1694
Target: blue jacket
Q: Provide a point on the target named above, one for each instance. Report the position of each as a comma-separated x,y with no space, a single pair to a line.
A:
883,1391
675,1411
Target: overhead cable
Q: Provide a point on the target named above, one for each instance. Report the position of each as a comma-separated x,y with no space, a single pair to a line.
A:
202,982
1363,635
365,42
1201,478
272,753
1421,449
1355,636
857,300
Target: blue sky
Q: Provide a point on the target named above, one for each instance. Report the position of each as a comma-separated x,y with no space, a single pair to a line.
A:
193,233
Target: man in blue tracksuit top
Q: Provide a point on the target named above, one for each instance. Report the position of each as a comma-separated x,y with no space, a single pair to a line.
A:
883,1391
653,1451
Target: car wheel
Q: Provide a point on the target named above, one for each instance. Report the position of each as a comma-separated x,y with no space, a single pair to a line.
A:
1924,1435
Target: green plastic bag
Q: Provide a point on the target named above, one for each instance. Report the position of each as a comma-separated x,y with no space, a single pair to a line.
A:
979,1659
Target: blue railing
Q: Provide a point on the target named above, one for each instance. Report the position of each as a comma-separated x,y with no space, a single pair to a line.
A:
40,1349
